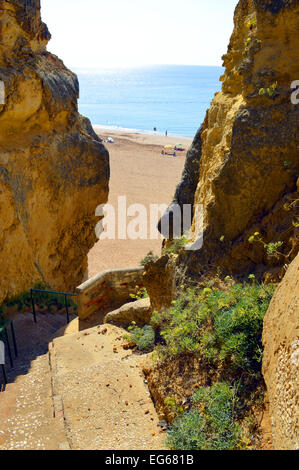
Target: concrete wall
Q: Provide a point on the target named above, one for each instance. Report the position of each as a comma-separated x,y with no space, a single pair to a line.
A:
108,288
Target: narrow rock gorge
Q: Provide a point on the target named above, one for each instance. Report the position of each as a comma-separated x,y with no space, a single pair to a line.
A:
242,168
54,170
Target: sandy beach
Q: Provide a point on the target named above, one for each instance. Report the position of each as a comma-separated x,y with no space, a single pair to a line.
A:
139,172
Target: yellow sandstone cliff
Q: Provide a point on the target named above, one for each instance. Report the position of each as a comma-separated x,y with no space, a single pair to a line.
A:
243,165
281,360
54,171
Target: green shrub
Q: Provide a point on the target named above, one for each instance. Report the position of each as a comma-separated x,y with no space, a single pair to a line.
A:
222,327
173,406
140,293
271,91
186,432
271,248
143,337
211,426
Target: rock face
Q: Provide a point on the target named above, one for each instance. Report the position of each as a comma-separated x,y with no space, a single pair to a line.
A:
54,171
159,280
247,149
281,360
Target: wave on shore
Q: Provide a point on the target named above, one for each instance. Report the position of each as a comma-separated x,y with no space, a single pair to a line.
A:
137,131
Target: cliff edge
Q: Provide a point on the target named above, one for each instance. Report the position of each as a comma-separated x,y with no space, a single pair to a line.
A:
54,171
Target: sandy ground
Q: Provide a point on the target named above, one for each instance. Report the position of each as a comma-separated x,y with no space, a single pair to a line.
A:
139,172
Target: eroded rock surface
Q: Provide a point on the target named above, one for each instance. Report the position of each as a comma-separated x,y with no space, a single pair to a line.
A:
54,171
138,312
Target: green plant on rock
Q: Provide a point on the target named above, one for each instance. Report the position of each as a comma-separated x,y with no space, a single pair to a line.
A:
140,293
251,23
272,249
174,407
291,206
22,301
224,328
149,258
271,91
186,432
177,245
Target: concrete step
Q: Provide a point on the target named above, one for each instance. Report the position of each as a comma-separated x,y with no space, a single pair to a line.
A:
87,392
82,349
107,406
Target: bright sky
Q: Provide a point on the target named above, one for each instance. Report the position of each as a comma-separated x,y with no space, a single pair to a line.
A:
127,33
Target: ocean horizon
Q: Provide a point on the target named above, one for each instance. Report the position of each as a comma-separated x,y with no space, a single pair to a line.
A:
152,99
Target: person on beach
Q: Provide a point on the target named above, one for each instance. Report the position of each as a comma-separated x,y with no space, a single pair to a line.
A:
166,133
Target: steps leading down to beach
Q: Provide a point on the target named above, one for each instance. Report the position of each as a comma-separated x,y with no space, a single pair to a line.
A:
26,406
83,391
100,386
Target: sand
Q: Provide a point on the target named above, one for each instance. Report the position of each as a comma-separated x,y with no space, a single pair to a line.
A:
139,172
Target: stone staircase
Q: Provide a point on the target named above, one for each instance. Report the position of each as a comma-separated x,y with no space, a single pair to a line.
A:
76,390
26,406
100,385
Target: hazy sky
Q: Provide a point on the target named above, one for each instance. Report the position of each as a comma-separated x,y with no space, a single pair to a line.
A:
119,33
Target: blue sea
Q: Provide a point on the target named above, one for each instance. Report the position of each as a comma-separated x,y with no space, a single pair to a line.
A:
172,98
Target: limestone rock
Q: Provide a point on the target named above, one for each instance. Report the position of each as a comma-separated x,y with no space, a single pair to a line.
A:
159,280
281,360
139,312
54,171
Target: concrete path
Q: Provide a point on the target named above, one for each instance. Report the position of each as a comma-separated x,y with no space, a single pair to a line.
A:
106,403
82,390
26,406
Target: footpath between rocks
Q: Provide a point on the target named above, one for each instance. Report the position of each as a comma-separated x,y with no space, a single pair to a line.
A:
85,391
